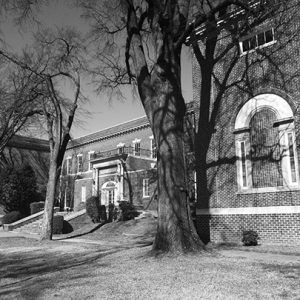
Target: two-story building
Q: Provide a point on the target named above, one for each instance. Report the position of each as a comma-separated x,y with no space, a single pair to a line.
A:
116,164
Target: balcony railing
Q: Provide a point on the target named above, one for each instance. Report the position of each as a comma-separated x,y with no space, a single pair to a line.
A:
123,150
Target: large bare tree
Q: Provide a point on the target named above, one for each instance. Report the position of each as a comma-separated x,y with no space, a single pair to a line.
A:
56,61
155,32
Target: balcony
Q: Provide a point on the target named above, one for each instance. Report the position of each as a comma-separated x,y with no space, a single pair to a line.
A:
122,151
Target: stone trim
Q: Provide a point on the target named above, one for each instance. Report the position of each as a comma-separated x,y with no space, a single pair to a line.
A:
276,210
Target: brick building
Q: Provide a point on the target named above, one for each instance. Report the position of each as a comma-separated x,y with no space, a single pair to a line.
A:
116,164
253,156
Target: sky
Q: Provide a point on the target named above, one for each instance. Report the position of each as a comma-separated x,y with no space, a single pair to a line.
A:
102,112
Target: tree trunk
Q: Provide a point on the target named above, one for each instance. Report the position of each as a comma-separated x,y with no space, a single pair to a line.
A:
46,230
176,231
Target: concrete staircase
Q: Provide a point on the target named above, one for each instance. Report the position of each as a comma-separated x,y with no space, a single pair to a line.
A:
32,223
30,228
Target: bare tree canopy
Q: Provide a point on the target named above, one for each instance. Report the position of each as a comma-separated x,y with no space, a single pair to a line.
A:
140,41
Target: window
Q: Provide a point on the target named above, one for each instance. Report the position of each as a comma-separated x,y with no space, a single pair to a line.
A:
258,40
243,164
146,187
121,148
265,151
137,147
79,163
292,160
83,194
265,145
91,156
69,165
153,147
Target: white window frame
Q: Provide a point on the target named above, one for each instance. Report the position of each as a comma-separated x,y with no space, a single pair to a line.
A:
83,193
90,165
243,52
287,162
120,147
284,115
146,188
78,165
153,150
69,165
136,142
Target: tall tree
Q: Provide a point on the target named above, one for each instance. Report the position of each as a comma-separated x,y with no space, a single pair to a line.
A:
155,32
56,61
61,68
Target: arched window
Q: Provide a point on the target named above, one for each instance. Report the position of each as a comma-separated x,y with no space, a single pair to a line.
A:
265,144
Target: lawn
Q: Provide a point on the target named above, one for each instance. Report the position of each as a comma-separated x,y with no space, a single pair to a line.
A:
60,270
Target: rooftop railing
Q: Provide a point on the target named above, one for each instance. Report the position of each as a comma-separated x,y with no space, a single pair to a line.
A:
124,150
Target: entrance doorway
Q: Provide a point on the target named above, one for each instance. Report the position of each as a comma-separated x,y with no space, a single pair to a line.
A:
109,193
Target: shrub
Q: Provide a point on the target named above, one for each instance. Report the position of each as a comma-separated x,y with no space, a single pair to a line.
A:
67,227
58,222
250,238
103,215
11,217
92,209
36,207
128,211
18,188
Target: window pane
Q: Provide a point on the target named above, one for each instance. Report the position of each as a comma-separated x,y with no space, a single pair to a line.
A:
292,157
137,149
244,170
269,36
265,150
246,45
253,42
261,39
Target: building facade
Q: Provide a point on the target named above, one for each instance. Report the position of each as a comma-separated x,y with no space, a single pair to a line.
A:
116,164
253,157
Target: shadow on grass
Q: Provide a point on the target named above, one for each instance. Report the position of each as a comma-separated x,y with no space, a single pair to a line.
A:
79,234
27,274
291,271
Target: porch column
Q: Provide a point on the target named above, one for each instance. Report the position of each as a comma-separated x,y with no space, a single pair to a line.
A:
95,182
121,182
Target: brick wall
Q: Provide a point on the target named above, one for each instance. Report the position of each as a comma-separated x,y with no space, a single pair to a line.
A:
252,75
271,228
106,144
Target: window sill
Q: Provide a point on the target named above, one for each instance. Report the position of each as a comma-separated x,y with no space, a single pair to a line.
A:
258,48
269,190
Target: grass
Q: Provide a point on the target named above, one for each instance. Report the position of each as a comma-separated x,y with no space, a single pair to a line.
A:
57,270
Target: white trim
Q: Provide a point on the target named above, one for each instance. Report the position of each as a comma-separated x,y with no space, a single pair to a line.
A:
77,163
266,210
69,165
89,162
143,157
83,193
136,141
146,188
280,106
81,179
250,36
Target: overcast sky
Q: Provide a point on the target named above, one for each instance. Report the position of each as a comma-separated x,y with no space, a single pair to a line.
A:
102,112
